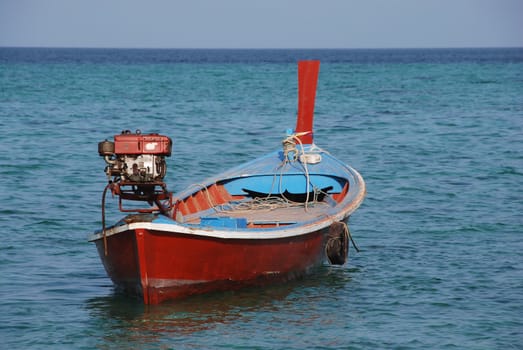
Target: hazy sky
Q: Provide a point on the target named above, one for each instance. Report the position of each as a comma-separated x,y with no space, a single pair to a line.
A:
261,23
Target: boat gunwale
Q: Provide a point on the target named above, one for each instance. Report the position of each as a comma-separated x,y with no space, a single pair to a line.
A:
345,208
244,170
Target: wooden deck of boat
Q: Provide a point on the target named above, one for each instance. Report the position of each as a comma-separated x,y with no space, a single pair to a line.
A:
279,215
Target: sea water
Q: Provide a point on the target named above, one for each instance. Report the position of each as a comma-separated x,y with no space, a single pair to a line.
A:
437,135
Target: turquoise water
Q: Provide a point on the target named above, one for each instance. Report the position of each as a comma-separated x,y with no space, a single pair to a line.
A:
437,135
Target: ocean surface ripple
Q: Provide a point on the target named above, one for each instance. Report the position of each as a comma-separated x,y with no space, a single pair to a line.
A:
437,135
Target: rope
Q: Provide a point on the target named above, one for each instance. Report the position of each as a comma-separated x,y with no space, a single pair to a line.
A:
347,234
208,196
262,203
103,216
289,145
272,202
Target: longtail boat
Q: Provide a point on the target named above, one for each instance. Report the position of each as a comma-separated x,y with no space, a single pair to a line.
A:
272,219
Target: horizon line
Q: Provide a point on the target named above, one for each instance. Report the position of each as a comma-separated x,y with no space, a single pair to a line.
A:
260,48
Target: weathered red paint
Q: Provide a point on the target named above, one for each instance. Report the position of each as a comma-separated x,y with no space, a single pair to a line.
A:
121,262
176,254
307,81
142,262
159,266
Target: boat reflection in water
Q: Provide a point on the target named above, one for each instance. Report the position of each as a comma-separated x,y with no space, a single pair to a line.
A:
296,305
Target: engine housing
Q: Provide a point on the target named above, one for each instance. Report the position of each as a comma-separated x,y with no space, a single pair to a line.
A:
136,157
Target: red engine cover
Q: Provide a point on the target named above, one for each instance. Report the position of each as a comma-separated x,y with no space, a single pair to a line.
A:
142,144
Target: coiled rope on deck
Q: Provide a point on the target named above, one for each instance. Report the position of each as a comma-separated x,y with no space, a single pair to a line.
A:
291,153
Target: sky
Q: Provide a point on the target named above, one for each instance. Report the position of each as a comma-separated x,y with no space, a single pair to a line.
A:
261,23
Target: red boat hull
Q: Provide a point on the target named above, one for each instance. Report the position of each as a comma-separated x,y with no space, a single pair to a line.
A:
158,266
270,219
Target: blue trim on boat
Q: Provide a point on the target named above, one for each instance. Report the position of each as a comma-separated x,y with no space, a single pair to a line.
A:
275,184
225,222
